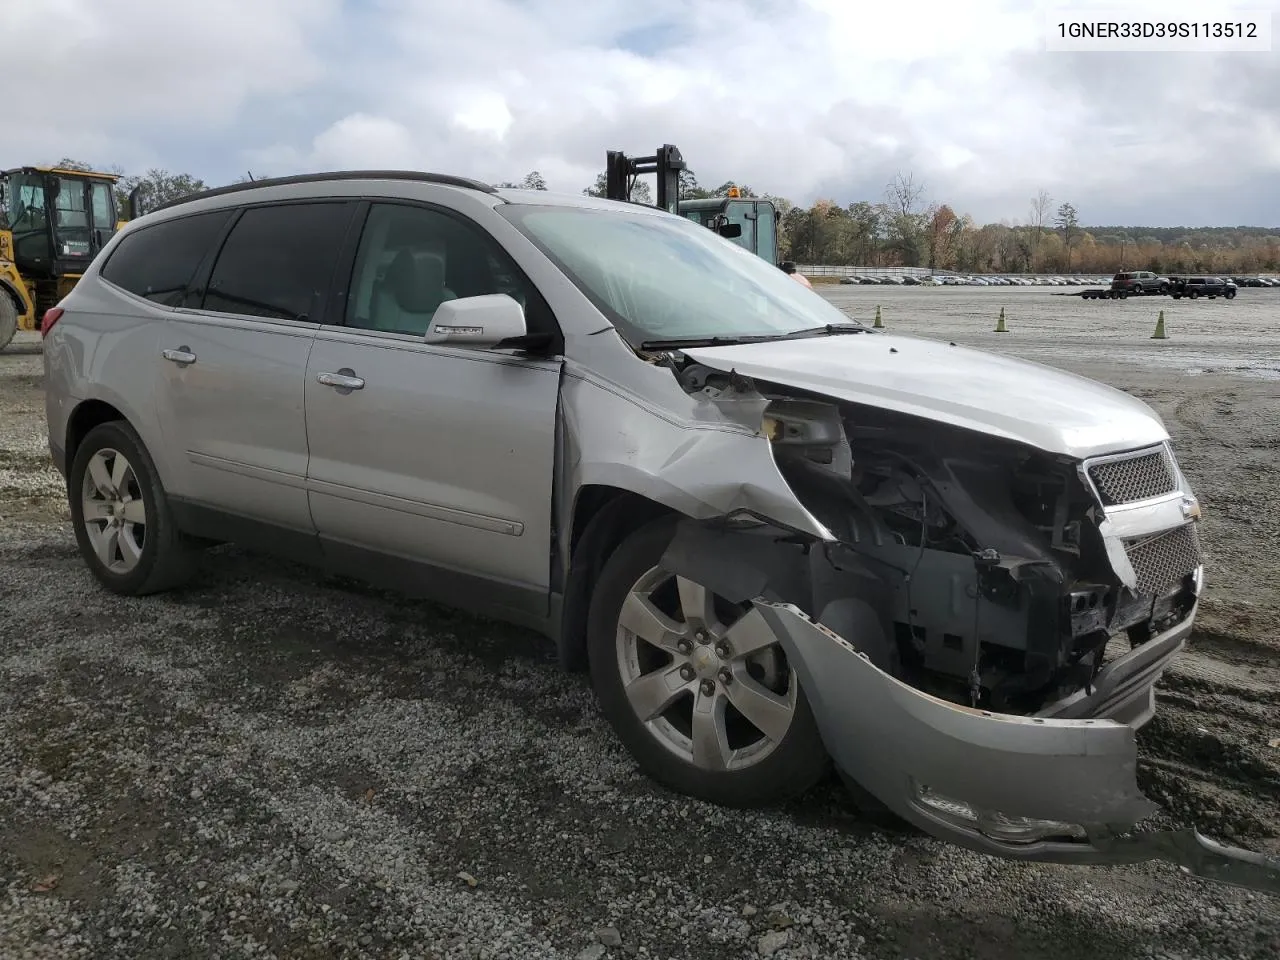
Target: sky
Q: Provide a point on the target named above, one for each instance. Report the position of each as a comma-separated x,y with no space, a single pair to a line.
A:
805,99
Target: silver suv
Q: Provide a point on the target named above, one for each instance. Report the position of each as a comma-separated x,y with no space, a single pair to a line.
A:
773,535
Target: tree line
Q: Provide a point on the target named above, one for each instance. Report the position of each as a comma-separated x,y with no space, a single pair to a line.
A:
904,229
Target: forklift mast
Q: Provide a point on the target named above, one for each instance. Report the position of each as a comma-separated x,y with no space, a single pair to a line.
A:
750,222
621,172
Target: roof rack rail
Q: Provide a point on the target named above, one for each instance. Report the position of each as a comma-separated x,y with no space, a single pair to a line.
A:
417,175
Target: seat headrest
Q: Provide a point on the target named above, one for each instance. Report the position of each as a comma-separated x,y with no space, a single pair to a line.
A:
416,280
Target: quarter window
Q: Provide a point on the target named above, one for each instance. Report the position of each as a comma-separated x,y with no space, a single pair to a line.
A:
278,261
411,260
158,262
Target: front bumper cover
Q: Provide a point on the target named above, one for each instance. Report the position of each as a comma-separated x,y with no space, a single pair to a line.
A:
967,775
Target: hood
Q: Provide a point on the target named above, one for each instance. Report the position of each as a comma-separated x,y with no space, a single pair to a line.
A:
1027,402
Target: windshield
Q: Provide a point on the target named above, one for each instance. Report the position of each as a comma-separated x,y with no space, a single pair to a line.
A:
667,278
25,194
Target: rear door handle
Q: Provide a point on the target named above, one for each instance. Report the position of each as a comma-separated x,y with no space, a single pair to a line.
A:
344,379
182,355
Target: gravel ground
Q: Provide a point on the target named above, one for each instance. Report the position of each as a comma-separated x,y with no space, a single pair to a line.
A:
275,764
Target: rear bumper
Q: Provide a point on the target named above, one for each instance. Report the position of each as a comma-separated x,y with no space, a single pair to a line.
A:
1060,787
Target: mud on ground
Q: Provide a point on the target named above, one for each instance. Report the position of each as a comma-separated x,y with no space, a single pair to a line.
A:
271,763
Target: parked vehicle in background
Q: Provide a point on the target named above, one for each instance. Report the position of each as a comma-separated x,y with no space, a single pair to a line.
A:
1139,282
1195,287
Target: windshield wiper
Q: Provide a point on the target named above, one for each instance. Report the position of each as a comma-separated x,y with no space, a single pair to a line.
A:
830,329
683,342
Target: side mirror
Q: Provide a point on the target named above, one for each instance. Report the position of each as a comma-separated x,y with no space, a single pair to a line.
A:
721,225
483,321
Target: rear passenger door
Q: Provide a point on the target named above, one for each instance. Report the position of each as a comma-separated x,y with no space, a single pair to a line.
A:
233,360
440,455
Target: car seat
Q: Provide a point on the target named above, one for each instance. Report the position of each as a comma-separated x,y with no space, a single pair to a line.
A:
409,292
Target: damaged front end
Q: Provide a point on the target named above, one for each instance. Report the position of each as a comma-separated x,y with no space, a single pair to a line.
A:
980,634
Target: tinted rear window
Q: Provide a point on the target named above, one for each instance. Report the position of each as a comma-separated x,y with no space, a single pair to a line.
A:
158,262
278,261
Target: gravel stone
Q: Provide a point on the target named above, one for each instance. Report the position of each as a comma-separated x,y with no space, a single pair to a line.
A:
609,936
772,942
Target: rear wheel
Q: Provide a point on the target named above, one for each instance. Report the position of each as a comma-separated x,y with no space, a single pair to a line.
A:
698,689
1194,294
8,319
121,514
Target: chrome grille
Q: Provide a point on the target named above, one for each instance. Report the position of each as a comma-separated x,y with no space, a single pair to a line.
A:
1134,478
1163,560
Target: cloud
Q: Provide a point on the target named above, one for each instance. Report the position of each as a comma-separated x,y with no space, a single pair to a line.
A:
803,98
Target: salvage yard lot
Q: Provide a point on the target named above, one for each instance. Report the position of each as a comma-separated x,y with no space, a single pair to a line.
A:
271,763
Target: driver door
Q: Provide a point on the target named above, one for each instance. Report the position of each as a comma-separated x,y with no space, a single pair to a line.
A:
436,458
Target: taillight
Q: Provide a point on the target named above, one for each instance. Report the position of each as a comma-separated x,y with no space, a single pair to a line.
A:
51,316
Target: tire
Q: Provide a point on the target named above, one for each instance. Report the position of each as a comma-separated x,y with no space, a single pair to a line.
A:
757,773
1194,294
1177,296
1164,289
1230,294
1124,294
8,319
149,560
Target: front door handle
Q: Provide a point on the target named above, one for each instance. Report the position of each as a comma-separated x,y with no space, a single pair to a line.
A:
345,379
182,356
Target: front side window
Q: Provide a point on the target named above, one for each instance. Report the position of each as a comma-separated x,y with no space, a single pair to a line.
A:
103,217
278,261
743,214
412,259
766,232
159,262
657,277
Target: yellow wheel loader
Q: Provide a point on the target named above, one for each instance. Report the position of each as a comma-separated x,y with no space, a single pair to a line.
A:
53,222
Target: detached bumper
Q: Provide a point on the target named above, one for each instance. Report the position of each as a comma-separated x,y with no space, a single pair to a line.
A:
1059,788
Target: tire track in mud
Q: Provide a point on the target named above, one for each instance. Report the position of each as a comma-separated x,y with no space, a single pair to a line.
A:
1211,754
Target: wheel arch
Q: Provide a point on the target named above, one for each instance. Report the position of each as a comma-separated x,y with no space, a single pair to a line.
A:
21,301
84,417
603,516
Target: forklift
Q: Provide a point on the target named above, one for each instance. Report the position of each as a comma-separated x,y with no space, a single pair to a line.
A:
53,222
749,222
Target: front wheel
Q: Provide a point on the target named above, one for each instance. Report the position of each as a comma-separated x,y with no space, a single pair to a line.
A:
698,689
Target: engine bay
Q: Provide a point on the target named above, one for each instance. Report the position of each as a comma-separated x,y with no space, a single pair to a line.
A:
971,567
